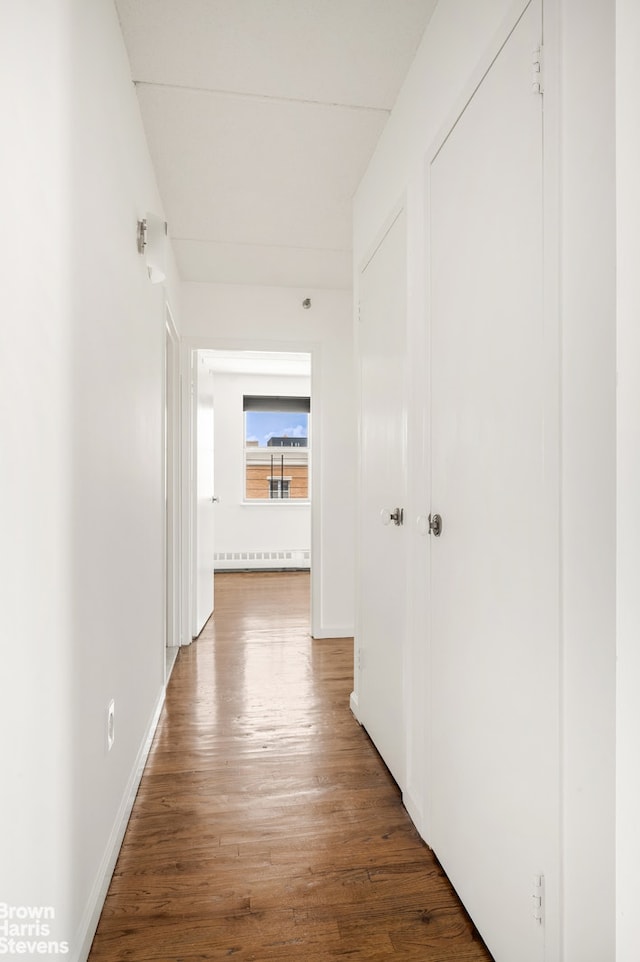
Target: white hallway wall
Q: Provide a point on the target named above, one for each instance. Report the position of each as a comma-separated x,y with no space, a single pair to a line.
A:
577,35
628,514
241,526
232,317
81,511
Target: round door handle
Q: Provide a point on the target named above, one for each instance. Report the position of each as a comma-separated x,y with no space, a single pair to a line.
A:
422,524
435,525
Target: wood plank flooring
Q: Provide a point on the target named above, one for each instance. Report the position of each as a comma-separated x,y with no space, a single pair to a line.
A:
266,826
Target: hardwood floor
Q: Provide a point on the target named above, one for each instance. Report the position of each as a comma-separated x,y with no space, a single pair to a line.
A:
266,826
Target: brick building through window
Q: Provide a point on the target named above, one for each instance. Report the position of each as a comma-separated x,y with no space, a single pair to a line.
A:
276,448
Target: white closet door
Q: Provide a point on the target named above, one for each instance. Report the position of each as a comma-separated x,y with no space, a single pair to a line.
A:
494,732
382,588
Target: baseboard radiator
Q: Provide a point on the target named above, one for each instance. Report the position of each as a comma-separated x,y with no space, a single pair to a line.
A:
298,558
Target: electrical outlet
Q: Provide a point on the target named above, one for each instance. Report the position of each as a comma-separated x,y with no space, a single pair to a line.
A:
111,721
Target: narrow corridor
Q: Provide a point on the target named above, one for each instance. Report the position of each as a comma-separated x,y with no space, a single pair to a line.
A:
266,826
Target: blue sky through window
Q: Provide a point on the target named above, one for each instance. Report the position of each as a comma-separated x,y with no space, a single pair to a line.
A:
261,425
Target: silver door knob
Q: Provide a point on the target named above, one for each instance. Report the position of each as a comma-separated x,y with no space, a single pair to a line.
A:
435,525
397,516
215,500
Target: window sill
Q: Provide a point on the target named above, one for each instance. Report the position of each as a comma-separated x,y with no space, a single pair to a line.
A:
279,502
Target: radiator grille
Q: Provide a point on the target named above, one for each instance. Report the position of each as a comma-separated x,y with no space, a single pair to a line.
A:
254,560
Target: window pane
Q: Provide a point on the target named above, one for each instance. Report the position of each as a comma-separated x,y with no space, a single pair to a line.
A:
279,488
261,427
276,455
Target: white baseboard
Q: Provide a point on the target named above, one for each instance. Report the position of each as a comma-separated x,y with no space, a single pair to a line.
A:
353,705
334,631
95,903
414,808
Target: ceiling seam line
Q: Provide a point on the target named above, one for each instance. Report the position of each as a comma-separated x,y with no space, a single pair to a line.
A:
282,247
265,98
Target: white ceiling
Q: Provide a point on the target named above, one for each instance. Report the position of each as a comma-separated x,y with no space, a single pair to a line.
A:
258,362
261,117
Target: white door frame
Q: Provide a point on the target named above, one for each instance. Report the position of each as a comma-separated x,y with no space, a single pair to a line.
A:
201,394
188,346
171,443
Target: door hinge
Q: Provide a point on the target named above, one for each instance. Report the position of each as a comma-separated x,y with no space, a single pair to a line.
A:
537,72
538,898
359,659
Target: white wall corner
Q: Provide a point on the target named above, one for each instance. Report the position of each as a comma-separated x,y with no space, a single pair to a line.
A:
353,705
413,804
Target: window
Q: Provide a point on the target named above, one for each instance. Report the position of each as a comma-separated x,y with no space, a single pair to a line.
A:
279,487
276,445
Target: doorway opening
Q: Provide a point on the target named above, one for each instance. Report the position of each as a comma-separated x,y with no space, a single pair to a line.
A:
252,451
